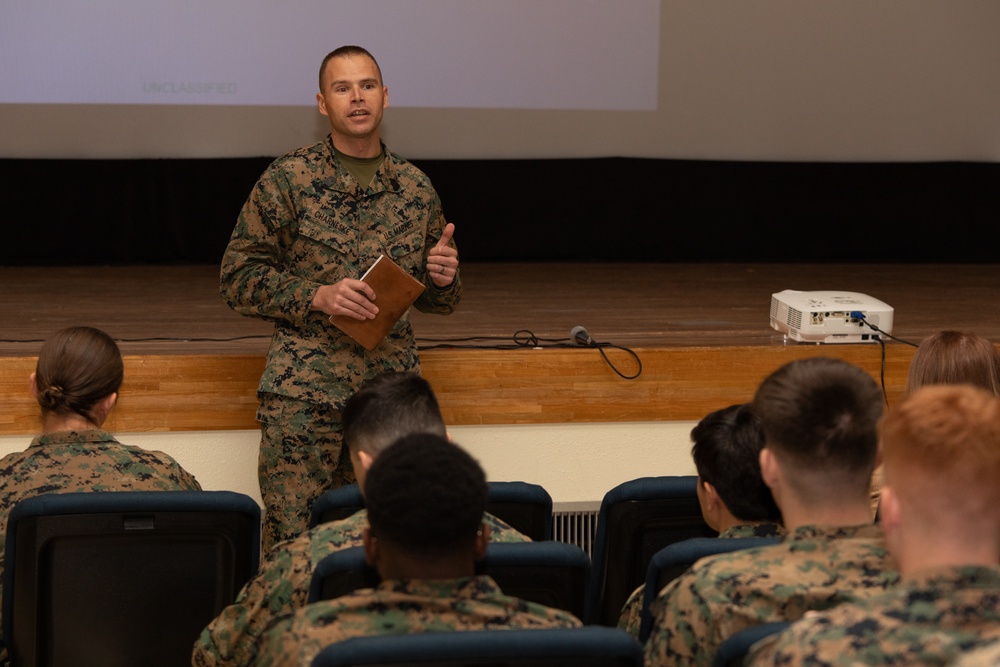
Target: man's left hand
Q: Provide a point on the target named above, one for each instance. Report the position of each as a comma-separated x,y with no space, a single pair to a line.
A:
442,260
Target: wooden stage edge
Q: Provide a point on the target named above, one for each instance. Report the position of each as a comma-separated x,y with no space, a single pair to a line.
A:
701,332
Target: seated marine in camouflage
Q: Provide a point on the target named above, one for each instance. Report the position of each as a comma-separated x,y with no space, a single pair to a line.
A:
819,417
76,382
940,509
426,498
386,408
734,500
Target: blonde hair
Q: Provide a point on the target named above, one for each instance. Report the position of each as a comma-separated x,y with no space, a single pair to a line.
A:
955,357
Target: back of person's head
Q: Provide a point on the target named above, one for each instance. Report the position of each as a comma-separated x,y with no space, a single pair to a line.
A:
726,453
77,368
388,407
426,496
941,449
955,357
820,418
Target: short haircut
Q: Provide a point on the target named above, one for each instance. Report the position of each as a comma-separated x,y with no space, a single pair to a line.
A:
426,495
955,357
941,449
726,452
346,51
820,415
386,408
77,368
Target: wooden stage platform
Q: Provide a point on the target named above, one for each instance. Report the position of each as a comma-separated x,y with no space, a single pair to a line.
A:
701,331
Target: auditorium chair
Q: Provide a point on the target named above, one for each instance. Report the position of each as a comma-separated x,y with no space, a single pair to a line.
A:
525,507
591,646
638,518
550,573
123,578
734,649
673,560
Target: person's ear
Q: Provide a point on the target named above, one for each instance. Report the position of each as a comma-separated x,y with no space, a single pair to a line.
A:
770,471
33,386
888,510
482,541
712,499
105,407
365,458
370,544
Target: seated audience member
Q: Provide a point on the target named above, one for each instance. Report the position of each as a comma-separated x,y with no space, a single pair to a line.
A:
941,516
819,417
426,498
950,357
386,408
734,500
76,383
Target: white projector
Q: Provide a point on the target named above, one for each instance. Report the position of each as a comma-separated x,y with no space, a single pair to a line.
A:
829,317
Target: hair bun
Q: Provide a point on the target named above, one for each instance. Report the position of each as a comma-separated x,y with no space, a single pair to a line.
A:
53,396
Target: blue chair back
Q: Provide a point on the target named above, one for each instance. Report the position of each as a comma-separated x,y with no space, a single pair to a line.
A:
123,578
562,647
637,519
673,560
525,507
549,573
733,650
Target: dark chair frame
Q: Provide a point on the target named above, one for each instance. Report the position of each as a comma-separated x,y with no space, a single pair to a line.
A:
64,551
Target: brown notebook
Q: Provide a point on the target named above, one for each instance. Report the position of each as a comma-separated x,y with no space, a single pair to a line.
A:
395,292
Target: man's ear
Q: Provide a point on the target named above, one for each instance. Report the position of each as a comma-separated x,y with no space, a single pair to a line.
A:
482,541
365,458
712,499
370,544
888,510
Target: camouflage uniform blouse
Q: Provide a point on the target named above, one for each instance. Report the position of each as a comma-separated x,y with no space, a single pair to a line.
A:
631,617
814,567
929,619
400,607
90,460
282,586
987,655
308,223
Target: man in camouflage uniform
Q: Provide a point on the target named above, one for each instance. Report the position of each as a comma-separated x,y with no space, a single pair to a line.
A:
734,500
386,408
426,498
941,511
316,220
819,417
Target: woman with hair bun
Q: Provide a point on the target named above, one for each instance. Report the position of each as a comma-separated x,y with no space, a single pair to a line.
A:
76,383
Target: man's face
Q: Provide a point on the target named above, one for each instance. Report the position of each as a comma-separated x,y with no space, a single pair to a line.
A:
353,98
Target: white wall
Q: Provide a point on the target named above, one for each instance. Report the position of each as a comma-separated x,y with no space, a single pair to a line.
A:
574,462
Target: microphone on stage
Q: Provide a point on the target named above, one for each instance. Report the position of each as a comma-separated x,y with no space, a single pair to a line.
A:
580,336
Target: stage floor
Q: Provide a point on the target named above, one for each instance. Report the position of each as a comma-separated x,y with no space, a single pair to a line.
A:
177,309
702,333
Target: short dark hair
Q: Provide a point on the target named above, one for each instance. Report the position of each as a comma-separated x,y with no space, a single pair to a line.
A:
821,414
77,368
726,452
386,408
346,51
426,495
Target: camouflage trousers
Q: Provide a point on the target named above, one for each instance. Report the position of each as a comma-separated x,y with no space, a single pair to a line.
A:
301,456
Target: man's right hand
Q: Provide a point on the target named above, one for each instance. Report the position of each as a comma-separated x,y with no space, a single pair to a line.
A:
349,297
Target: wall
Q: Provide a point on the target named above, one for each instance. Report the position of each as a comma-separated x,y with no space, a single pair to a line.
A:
574,462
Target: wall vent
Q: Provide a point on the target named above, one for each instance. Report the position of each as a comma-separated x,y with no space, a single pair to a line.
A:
576,523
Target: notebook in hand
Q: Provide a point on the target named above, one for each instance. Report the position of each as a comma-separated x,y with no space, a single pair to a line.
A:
395,291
